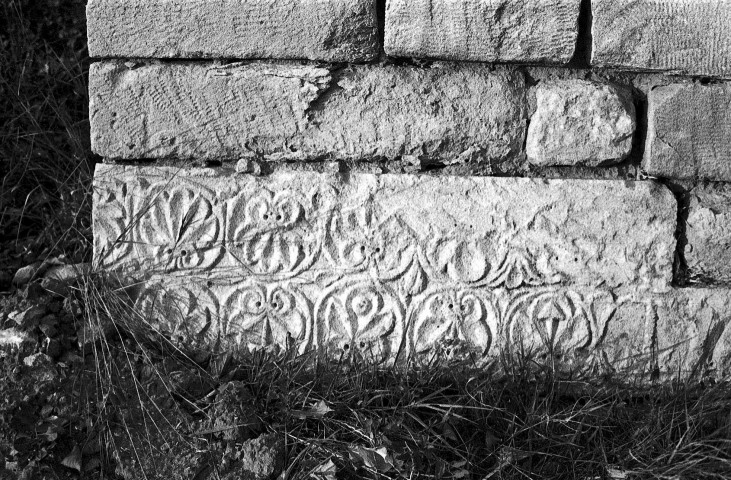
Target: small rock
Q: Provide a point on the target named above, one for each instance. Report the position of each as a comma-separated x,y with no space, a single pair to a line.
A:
578,122
12,340
59,279
261,458
233,417
28,318
24,275
38,360
248,165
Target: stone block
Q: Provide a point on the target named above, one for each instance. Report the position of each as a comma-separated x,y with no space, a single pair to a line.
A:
687,37
483,30
330,30
381,265
693,334
287,111
578,122
708,234
689,132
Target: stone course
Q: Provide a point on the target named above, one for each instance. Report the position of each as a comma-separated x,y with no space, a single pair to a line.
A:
483,30
578,122
689,132
677,36
330,30
365,249
294,112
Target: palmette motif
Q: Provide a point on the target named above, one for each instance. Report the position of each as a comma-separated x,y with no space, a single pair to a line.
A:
262,268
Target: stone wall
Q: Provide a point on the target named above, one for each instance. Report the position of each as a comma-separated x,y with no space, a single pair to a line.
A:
418,179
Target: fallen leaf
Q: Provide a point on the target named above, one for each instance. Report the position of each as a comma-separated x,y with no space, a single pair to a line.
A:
326,471
318,410
73,459
375,459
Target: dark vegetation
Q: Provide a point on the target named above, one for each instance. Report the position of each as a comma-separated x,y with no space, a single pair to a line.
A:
86,395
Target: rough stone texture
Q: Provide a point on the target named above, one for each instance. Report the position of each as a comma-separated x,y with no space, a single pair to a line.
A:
689,132
679,36
377,264
708,234
578,122
331,30
693,337
483,30
286,111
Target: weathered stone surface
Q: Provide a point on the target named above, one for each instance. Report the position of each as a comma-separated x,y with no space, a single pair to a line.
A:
678,36
376,263
578,122
483,30
689,132
331,30
693,337
285,111
708,234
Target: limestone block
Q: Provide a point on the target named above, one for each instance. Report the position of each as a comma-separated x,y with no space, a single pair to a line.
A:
330,30
693,337
677,36
578,122
367,261
483,30
294,112
708,234
689,132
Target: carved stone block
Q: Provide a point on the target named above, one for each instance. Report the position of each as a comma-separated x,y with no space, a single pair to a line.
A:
578,122
330,30
288,111
382,264
479,30
677,36
708,234
689,132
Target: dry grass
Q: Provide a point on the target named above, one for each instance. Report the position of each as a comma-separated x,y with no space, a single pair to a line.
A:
44,129
515,420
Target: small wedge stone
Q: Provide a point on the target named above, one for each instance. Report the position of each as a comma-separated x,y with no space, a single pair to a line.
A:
480,30
689,37
689,132
578,122
330,30
708,234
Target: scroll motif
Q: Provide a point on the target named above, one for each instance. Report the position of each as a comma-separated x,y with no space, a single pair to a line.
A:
557,321
361,318
453,323
112,229
261,316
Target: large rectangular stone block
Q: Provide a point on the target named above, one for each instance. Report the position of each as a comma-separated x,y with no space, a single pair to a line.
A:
289,111
689,132
677,36
331,30
483,30
364,247
708,234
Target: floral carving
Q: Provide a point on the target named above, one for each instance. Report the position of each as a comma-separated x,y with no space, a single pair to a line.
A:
180,313
112,232
275,234
453,322
179,229
358,241
261,316
557,321
361,318
482,262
